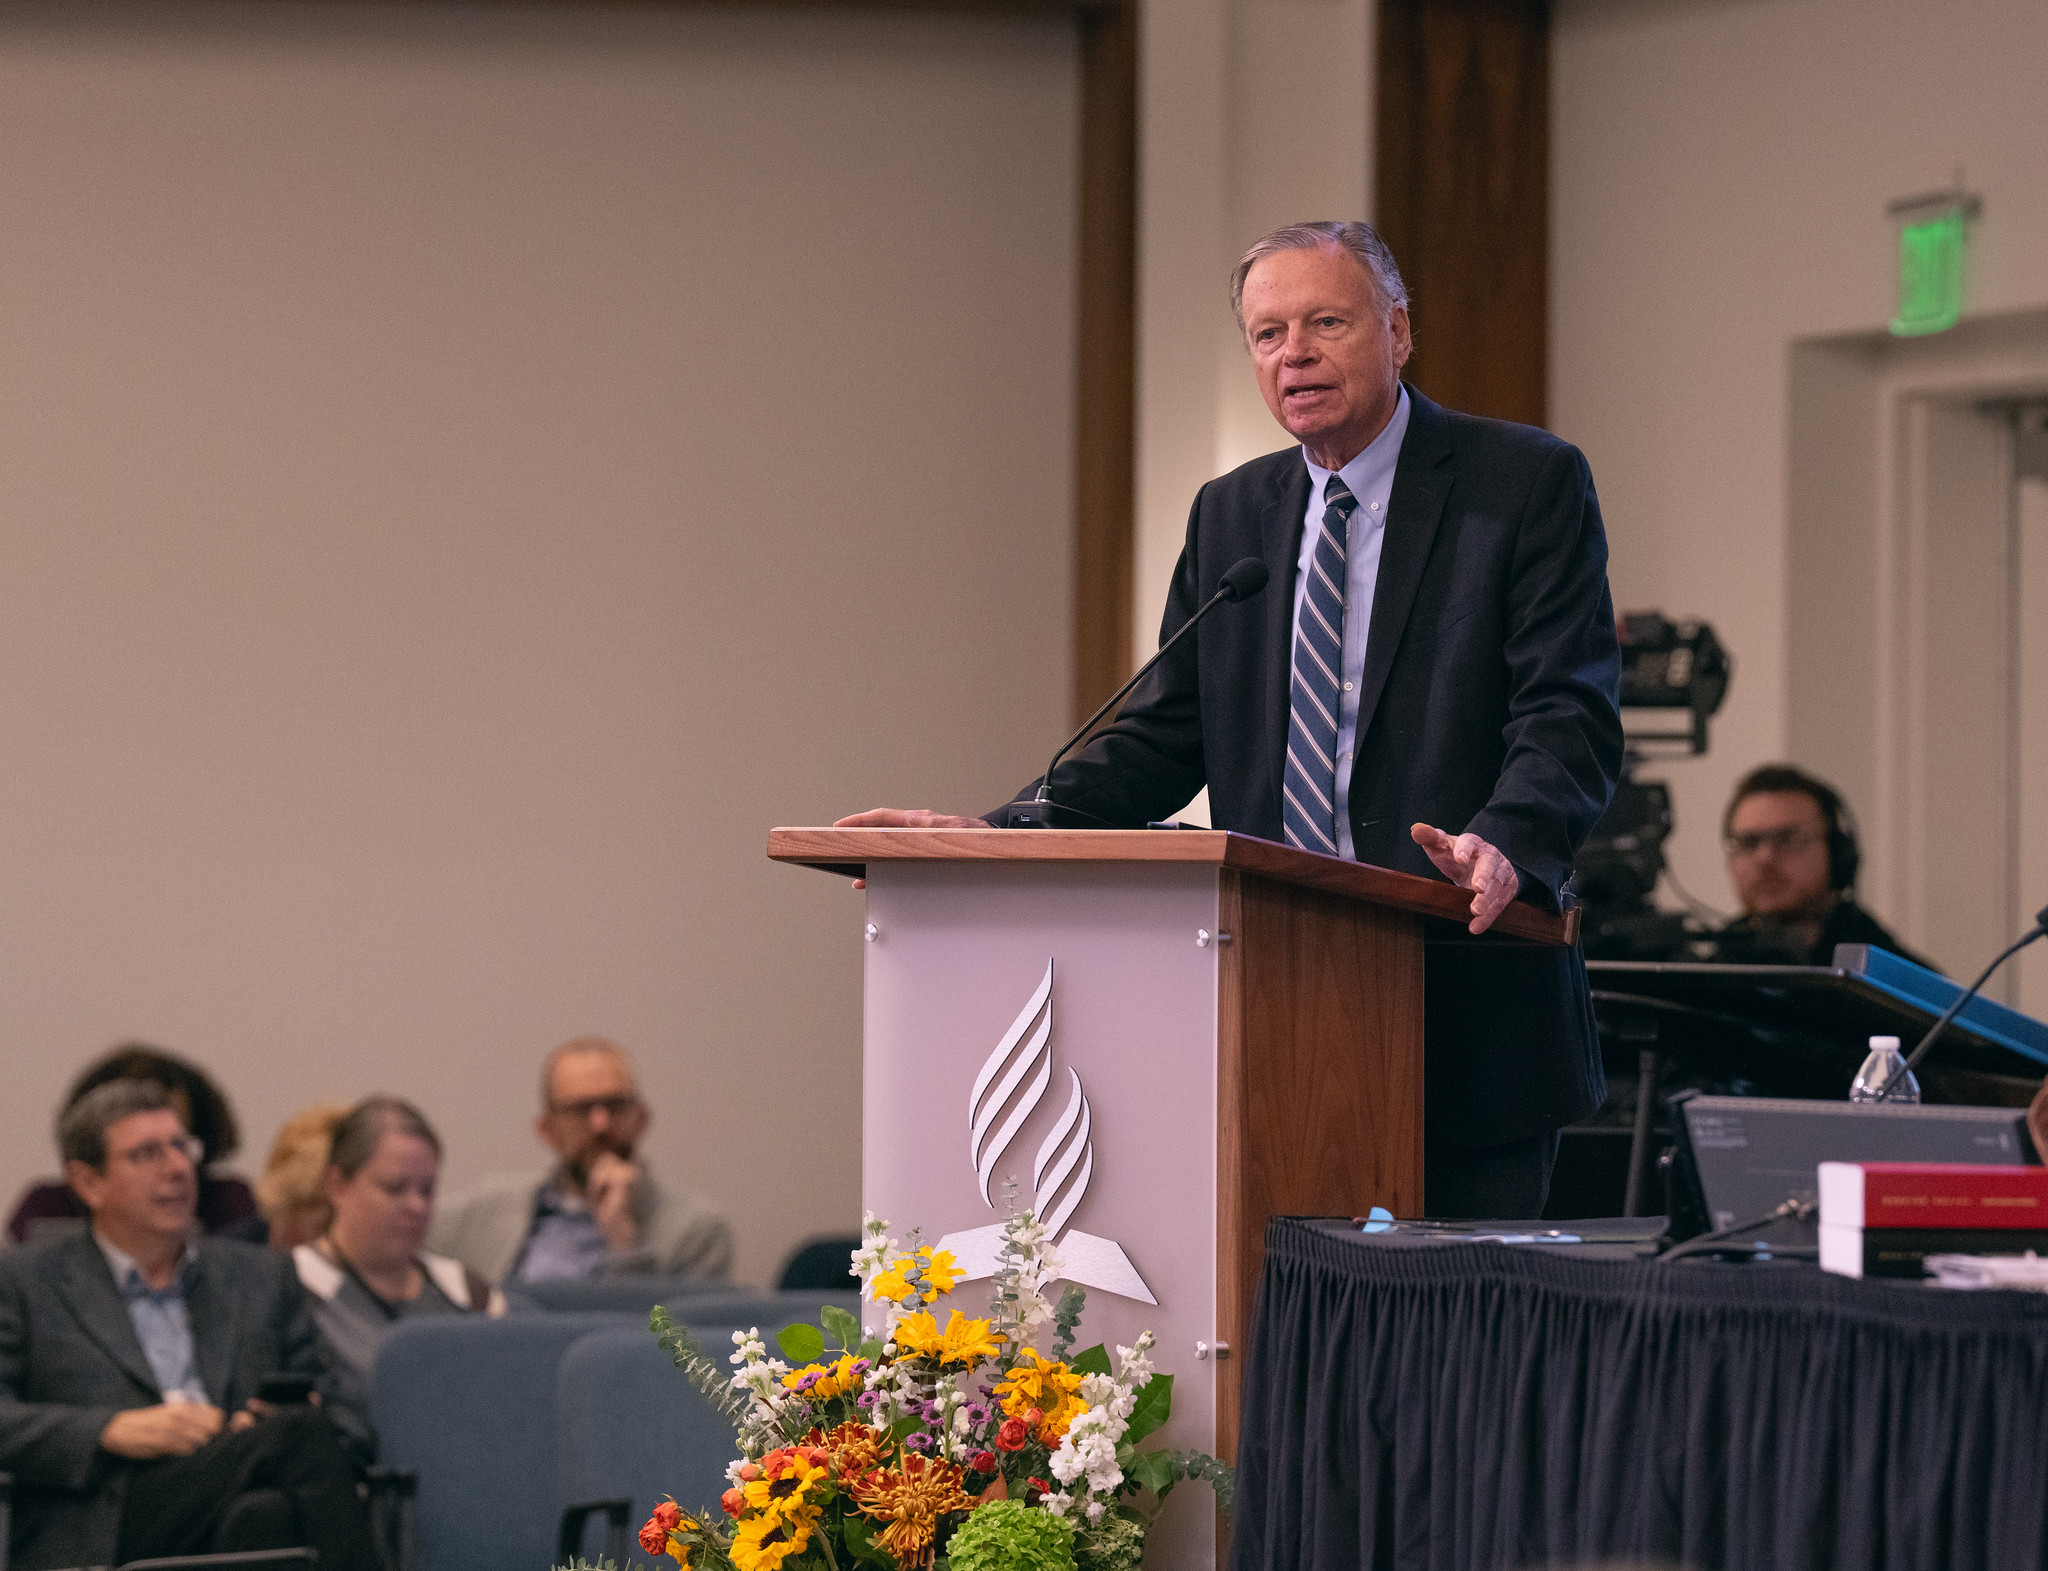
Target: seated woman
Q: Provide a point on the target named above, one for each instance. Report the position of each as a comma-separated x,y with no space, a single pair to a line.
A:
292,1189
367,1271
227,1205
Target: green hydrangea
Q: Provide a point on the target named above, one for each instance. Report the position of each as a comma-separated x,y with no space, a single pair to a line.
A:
1116,1543
1007,1535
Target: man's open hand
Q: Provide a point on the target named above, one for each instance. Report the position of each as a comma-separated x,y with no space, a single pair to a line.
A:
168,1429
1471,863
908,818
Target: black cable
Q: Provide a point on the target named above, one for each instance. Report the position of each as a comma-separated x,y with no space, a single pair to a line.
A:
2038,930
1708,1243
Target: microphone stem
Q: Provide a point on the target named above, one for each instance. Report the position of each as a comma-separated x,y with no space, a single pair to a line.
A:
1045,785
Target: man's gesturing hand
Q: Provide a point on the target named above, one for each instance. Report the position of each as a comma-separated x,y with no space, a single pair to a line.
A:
908,818
1471,863
168,1429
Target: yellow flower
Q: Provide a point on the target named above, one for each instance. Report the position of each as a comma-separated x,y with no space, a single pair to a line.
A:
762,1543
910,1502
784,1489
941,1270
893,1285
919,1334
963,1341
1054,1389
968,1341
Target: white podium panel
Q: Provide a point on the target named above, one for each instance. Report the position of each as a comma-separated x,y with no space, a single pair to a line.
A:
1055,1026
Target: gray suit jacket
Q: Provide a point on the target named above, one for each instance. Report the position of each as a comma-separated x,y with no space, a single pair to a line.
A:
680,1234
69,1361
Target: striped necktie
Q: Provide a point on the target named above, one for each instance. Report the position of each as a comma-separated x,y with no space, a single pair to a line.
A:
1309,784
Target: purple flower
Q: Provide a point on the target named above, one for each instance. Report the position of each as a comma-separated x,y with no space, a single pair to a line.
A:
809,1380
861,1366
865,1399
977,1415
917,1442
929,1412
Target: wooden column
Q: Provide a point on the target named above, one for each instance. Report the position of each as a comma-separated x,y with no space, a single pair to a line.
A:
1462,175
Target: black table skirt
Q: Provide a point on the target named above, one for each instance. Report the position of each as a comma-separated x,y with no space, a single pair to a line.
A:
1483,1405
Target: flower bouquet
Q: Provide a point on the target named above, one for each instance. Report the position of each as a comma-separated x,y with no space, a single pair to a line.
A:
983,1443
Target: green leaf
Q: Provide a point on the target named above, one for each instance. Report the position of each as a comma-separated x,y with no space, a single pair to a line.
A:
801,1344
1093,1362
1157,1471
841,1324
862,1541
870,1350
1154,1406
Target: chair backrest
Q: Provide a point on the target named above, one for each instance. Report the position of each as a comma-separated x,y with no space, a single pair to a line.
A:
468,1404
770,1311
633,1428
823,1262
615,1295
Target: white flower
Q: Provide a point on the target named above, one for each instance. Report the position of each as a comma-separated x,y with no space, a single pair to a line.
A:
1057,1504
1095,1510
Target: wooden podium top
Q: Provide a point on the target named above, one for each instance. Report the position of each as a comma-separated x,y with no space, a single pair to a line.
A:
848,852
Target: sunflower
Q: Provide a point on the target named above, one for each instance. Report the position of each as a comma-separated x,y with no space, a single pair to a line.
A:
762,1543
910,1501
893,1285
785,1486
1052,1388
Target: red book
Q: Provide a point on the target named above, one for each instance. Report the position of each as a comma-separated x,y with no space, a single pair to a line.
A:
1926,1195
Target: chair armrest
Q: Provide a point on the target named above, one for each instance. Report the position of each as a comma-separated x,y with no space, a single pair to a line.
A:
240,1558
618,1513
392,1491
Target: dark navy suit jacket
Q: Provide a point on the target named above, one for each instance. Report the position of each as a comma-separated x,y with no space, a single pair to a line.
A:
1489,703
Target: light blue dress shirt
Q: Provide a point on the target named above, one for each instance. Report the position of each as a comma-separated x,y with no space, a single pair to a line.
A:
564,1244
1371,478
162,1324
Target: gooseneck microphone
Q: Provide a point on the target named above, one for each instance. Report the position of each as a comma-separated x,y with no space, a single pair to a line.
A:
2038,930
1243,581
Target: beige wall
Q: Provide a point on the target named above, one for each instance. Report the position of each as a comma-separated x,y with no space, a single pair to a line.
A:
1720,175
464,475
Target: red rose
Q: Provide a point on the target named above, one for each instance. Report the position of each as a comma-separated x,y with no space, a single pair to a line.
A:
749,1472
654,1536
1013,1434
984,1462
1039,1484
733,1501
1033,1417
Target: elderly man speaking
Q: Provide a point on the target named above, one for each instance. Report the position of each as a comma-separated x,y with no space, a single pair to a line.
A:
1437,692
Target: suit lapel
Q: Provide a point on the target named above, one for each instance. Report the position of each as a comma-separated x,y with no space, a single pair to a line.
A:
1280,531
1422,482
96,1303
210,1306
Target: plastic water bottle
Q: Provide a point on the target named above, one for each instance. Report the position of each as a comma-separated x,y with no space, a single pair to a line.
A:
1883,1065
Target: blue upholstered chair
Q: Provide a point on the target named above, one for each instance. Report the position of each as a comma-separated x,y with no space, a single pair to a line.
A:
634,1429
468,1405
632,1295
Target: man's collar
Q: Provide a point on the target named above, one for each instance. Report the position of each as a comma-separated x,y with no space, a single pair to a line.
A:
1380,453
128,1276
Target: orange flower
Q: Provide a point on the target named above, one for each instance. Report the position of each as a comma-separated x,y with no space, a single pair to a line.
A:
911,1501
733,1502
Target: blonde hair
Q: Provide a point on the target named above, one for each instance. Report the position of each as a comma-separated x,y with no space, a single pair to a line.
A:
291,1180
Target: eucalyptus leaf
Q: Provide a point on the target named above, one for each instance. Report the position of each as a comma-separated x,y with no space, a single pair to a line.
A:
801,1343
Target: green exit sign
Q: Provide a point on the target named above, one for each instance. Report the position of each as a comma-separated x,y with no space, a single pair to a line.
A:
1934,258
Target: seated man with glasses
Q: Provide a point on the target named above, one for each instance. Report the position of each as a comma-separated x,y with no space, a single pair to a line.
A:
132,1355
597,1211
1793,857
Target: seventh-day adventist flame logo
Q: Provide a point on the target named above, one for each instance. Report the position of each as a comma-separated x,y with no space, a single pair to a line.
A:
1016,1076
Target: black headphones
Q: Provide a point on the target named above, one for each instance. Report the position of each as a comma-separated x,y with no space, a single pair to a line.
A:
1845,857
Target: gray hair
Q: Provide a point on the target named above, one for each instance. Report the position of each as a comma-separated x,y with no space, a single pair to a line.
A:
363,1127
574,1048
1361,241
82,1127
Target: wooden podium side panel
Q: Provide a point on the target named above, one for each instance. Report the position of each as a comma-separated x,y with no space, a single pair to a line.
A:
1319,1060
